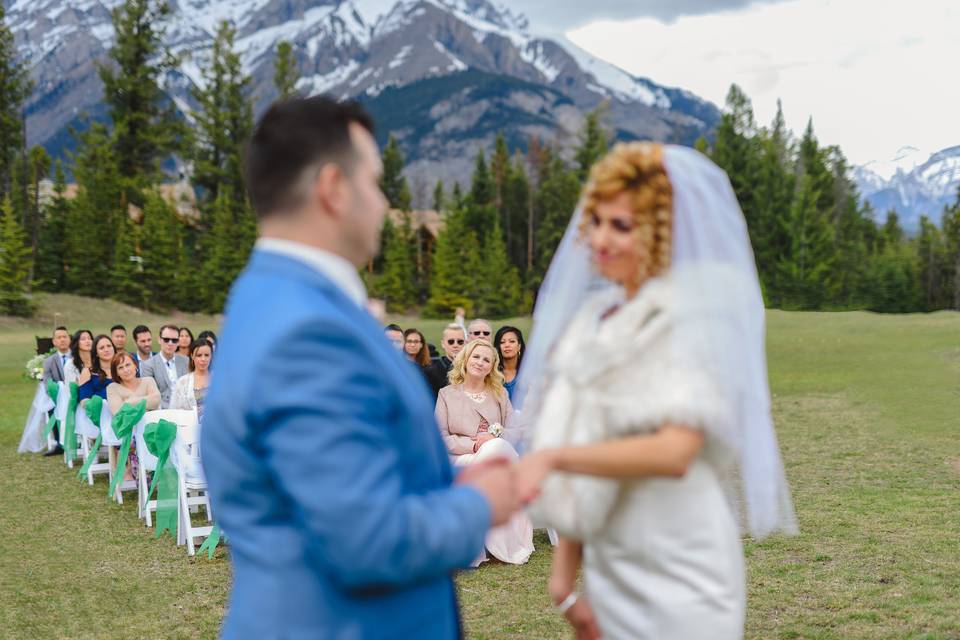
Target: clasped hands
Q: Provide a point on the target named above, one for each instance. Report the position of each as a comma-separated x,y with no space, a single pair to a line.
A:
507,486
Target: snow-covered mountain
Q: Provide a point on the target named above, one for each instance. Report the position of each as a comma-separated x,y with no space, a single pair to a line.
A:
913,183
471,68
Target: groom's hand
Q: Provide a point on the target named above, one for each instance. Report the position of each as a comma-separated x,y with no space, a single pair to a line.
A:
495,480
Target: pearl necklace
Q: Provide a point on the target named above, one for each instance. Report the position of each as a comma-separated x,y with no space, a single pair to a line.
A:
476,397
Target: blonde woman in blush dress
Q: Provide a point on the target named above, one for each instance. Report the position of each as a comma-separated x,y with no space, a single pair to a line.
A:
474,415
653,454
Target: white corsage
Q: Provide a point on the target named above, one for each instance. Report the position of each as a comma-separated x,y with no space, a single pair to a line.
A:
496,430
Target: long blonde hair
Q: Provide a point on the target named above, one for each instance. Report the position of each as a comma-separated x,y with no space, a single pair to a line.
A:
458,372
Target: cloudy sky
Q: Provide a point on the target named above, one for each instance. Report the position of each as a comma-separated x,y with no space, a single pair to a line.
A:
875,75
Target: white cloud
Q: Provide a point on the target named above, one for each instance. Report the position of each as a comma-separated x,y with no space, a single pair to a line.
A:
873,75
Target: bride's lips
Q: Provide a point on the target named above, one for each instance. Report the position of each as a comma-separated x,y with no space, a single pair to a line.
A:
602,257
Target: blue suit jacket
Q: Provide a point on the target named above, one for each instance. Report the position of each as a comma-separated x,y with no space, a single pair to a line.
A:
326,470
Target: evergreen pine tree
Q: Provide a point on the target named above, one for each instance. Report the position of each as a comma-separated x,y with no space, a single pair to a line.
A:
224,122
556,200
14,264
497,291
231,239
481,186
285,74
39,166
439,197
451,281
15,87
91,223
950,226
397,285
736,151
593,143
145,127
932,266
393,183
49,268
126,276
160,249
805,268
516,206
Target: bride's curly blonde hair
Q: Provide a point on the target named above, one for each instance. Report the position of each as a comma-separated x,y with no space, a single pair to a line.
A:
638,169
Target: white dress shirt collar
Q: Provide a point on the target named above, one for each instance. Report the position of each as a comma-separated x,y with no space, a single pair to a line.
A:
338,269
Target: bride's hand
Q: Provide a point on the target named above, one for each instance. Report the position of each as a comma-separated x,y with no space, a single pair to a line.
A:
532,469
581,618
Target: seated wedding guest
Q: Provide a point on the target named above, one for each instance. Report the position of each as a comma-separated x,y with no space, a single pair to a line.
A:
186,340
395,335
473,414
100,374
415,347
53,369
127,388
191,389
210,337
81,357
479,329
452,343
143,339
54,365
118,335
510,348
167,366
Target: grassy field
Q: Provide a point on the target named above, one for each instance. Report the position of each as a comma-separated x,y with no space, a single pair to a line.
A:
866,408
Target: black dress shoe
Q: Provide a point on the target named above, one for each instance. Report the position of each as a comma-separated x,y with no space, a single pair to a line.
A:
56,451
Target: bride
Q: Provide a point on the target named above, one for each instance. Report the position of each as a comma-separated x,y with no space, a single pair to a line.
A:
646,381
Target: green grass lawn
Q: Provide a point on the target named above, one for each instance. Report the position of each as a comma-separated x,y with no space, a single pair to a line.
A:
866,409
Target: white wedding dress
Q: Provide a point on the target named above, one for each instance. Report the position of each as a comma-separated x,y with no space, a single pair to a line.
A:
662,556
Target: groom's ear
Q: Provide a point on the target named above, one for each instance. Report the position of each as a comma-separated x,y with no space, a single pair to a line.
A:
330,190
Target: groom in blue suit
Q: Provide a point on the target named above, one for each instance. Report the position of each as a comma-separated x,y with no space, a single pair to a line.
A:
324,463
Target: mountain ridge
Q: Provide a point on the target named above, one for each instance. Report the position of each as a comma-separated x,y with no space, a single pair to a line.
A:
343,50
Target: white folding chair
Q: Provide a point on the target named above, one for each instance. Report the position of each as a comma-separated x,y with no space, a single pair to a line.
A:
148,462
32,440
112,442
88,433
63,403
190,480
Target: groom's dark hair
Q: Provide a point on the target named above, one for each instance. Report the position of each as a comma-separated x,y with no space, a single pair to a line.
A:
295,134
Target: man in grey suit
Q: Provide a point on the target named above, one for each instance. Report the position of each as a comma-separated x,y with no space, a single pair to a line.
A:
53,370
54,364
167,366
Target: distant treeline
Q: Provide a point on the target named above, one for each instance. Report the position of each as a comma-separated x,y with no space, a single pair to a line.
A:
817,246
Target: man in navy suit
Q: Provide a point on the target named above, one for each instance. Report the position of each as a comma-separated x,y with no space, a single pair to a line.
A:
325,466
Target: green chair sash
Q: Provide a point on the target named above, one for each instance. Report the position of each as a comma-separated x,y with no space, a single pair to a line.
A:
123,424
53,390
70,425
94,409
159,437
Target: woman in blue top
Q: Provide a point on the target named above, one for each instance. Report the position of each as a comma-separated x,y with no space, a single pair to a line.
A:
510,346
94,381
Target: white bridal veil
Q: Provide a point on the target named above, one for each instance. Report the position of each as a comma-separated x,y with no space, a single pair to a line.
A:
721,332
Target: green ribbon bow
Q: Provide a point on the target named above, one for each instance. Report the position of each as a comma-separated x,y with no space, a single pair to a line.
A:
53,390
94,408
159,436
123,424
70,425
210,544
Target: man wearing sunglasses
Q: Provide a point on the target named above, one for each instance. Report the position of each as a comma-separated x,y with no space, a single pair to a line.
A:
452,341
167,366
480,329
